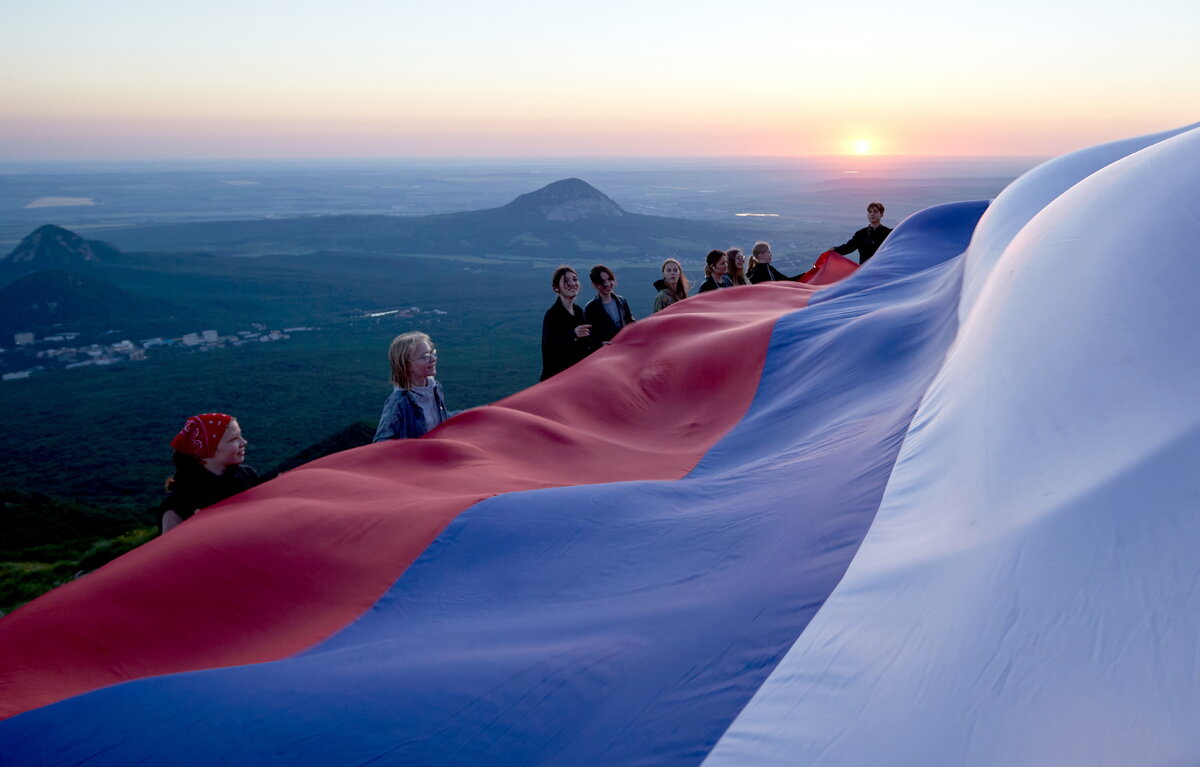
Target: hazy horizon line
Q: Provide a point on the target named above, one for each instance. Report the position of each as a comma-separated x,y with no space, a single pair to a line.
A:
524,158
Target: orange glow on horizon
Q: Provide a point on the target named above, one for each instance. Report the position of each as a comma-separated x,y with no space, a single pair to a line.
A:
80,134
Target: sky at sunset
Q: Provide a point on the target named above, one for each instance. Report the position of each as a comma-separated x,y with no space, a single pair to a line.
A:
146,79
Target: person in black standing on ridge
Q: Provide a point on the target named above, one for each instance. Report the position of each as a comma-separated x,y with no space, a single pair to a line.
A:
868,239
608,312
566,337
761,269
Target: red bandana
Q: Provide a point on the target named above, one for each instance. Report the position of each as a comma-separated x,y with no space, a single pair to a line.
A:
201,434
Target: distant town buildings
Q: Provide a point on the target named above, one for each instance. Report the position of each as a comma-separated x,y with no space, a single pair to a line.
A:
406,313
127,350
73,357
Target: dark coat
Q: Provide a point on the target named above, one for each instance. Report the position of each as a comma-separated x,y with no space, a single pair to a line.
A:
561,348
711,284
766,273
195,488
866,241
603,327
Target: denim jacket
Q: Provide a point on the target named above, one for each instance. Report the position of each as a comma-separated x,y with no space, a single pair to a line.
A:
402,417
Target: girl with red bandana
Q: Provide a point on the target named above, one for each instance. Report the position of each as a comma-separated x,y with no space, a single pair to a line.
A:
208,454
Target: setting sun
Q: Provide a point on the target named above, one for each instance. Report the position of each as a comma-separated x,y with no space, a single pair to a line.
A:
862,147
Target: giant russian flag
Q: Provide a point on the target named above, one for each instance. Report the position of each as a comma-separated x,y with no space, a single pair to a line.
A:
944,511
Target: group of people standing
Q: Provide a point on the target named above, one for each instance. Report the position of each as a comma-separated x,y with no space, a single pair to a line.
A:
728,268
570,333
209,451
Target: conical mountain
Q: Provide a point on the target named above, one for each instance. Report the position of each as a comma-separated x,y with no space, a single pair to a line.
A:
563,220
52,247
570,199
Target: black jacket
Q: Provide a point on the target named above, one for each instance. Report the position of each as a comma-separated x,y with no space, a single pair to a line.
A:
711,284
195,488
603,327
561,348
866,241
767,273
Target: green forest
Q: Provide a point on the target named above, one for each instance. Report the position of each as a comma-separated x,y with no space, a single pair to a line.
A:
89,447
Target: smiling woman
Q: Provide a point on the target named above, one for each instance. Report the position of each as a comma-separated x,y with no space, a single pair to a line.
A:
566,335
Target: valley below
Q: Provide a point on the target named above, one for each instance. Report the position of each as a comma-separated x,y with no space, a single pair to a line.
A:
115,332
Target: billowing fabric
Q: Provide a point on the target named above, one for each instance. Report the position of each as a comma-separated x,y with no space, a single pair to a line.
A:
830,267
586,596
338,532
1027,593
781,524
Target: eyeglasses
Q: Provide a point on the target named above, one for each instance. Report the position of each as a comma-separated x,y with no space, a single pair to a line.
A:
431,356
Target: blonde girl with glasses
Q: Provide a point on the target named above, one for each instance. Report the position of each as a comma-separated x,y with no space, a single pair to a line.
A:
416,403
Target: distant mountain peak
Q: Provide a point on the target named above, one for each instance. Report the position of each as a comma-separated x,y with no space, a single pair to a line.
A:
52,247
568,199
51,230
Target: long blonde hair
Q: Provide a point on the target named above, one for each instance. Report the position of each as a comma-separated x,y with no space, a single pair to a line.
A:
681,287
398,353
